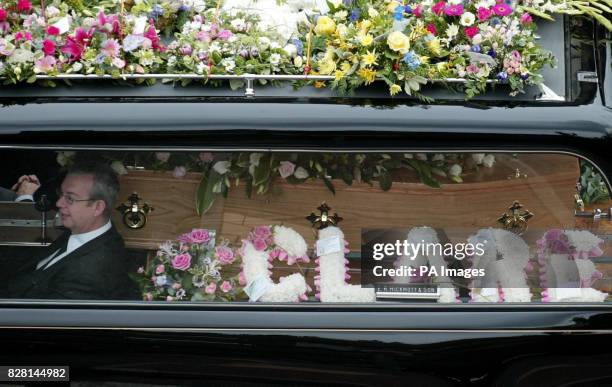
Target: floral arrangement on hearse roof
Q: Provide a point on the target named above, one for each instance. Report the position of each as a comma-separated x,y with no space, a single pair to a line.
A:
403,43
191,268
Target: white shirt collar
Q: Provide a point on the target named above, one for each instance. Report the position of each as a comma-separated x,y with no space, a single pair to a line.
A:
77,240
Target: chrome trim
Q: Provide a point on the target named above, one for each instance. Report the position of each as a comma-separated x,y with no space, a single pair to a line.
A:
275,330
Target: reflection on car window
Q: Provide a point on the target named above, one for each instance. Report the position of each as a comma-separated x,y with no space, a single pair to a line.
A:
304,227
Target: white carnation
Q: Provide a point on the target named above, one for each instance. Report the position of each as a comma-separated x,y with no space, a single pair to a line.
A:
455,170
488,161
290,240
222,167
478,157
467,19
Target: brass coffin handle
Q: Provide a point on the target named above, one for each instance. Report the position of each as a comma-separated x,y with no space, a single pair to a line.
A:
515,220
134,215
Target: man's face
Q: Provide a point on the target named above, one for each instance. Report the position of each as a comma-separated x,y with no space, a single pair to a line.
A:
83,214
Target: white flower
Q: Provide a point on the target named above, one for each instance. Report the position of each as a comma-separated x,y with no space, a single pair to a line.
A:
300,173
488,161
421,156
199,5
467,19
222,167
275,59
264,42
408,156
160,280
342,29
478,157
51,12
452,31
477,39
438,157
64,158
21,56
290,240
372,12
455,170
238,25
341,15
202,68
298,61
229,64
254,158
118,167
291,50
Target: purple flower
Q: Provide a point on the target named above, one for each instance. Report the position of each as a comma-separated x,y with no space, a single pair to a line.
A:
355,15
502,76
299,45
408,9
225,34
186,49
476,48
254,51
492,53
182,262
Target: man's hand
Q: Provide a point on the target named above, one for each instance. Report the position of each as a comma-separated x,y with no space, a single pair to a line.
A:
26,185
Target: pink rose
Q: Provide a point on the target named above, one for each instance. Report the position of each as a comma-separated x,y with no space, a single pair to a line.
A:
225,34
211,288
199,235
286,169
3,15
160,269
224,254
48,47
23,35
470,32
438,8
24,6
179,172
206,157
526,18
169,298
432,29
242,279
484,13
418,11
148,296
263,232
53,31
259,244
226,286
162,156
182,261
176,285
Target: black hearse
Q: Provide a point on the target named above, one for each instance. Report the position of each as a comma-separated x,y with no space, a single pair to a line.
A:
537,146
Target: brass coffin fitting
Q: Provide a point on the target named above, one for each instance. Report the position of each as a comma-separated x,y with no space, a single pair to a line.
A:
323,220
515,220
134,215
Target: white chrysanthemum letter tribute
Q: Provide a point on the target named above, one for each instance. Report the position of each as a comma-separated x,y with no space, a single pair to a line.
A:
263,245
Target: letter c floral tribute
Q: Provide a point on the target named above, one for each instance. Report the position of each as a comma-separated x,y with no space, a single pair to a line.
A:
191,268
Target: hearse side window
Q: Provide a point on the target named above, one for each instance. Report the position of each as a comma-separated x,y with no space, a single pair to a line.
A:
267,227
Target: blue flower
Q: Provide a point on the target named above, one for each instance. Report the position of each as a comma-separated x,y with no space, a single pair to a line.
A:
495,21
524,76
408,9
492,53
157,11
184,8
502,76
299,45
355,15
412,60
398,13
347,3
476,48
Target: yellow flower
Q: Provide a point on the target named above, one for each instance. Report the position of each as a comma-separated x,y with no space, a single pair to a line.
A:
392,5
325,26
433,46
369,58
319,84
327,66
399,42
441,66
424,59
365,25
394,89
345,66
367,74
365,39
339,74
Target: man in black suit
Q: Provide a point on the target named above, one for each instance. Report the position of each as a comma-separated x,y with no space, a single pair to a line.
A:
22,191
89,260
